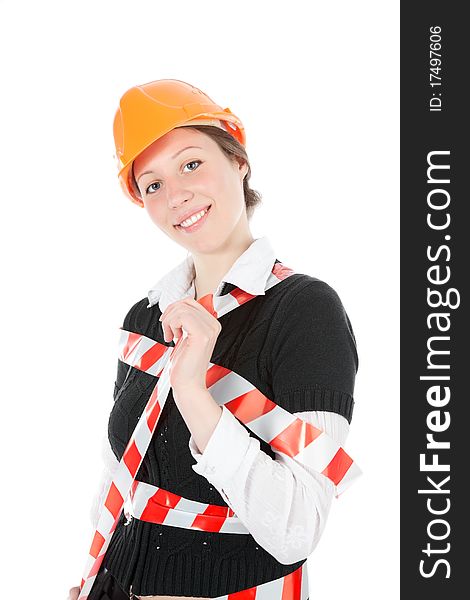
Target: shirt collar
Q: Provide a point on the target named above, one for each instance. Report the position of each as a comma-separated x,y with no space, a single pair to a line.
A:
249,272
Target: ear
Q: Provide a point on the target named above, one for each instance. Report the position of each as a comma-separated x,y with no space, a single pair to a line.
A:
243,168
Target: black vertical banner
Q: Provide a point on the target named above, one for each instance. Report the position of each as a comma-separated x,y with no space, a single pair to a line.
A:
434,263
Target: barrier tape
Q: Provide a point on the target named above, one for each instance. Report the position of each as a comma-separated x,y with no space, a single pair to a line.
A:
282,430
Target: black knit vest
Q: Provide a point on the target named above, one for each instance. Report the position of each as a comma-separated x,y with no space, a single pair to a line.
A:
265,341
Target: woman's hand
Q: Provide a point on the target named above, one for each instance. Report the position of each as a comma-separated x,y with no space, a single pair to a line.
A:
193,353
74,593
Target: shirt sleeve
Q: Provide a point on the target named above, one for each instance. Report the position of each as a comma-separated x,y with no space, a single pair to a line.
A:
310,360
283,504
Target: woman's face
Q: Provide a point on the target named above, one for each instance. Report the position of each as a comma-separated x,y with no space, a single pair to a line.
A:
176,182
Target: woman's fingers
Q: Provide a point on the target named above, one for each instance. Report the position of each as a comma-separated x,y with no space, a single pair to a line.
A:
170,329
192,313
172,320
170,332
177,349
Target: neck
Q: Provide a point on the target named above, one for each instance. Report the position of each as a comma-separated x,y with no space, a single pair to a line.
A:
210,268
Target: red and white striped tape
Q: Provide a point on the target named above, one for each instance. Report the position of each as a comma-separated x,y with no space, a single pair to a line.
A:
155,505
283,431
277,426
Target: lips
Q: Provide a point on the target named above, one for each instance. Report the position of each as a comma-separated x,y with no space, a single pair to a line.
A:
190,213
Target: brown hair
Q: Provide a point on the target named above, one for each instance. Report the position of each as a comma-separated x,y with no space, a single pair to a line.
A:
233,150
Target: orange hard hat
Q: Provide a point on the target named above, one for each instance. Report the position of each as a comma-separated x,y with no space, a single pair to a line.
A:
146,112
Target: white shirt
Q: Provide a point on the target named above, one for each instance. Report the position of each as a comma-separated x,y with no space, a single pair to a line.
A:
283,504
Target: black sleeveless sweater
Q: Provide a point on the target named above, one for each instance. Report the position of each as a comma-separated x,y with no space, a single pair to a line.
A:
297,346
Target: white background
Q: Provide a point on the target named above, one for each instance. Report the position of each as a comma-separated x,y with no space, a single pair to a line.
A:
316,86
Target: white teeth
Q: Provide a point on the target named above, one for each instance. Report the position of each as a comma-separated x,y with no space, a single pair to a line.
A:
193,219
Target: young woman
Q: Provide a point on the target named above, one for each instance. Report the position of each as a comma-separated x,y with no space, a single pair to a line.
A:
283,338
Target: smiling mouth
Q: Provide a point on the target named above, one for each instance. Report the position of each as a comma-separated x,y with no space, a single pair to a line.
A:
190,225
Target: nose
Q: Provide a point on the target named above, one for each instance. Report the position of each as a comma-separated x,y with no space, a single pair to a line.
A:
177,193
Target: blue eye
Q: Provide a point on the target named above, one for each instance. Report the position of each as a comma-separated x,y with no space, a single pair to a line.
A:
192,163
189,163
147,190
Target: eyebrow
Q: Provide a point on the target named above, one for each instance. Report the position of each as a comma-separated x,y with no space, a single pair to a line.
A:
173,157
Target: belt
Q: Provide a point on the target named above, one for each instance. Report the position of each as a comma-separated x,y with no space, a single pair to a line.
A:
283,431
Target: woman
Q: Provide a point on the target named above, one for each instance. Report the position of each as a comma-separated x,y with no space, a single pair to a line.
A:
183,159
